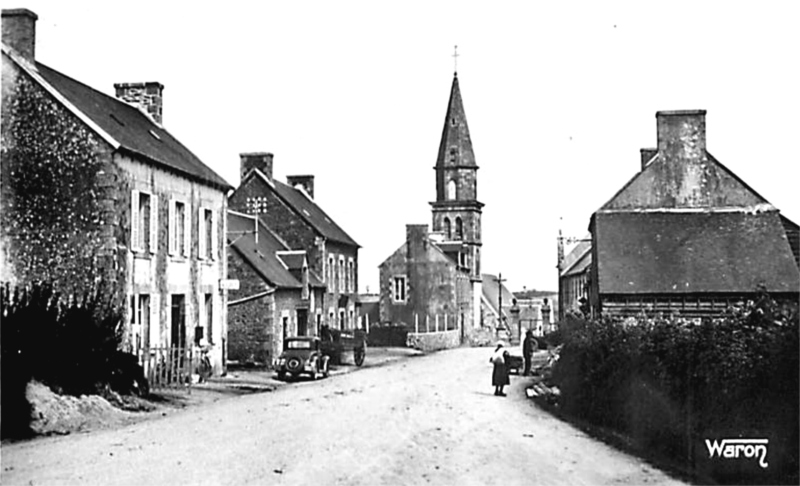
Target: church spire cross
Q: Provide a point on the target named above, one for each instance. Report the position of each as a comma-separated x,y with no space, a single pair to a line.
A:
455,59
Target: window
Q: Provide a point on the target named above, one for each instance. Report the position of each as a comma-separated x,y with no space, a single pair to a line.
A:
459,229
144,222
178,227
206,234
331,268
453,154
140,321
341,274
447,229
399,290
351,276
451,189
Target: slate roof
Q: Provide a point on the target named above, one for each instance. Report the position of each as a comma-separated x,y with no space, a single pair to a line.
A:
132,129
685,252
455,132
491,292
262,255
294,261
307,209
577,256
580,265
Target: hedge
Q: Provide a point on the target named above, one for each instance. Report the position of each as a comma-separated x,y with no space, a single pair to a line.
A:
669,384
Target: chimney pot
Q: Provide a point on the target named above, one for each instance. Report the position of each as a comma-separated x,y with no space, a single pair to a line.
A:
304,181
19,31
647,155
147,96
256,160
682,134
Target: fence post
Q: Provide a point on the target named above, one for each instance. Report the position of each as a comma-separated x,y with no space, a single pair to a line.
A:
445,323
427,323
416,323
436,324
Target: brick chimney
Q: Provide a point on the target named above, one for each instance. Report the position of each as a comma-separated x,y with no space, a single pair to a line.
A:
416,240
647,155
19,31
682,134
147,96
304,181
256,160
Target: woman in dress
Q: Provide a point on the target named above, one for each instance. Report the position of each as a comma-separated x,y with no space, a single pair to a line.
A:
499,372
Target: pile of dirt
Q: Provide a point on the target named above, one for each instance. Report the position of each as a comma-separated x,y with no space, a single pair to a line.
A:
56,414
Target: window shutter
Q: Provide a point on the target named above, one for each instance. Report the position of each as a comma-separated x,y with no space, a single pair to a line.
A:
134,220
201,233
214,244
172,228
187,230
153,223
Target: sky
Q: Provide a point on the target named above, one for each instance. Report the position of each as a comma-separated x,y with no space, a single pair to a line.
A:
559,98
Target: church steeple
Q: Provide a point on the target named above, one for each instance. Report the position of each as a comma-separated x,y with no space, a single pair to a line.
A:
457,211
455,148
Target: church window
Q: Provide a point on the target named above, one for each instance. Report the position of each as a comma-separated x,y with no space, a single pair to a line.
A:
447,230
453,121
459,229
399,288
453,154
451,189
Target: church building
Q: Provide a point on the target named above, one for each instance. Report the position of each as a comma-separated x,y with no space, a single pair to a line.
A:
433,281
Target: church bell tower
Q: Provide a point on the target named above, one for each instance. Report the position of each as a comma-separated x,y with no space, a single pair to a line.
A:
457,211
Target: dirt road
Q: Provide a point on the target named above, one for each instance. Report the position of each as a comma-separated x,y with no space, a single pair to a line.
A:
426,420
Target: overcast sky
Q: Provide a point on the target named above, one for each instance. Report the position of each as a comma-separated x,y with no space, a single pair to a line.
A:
559,97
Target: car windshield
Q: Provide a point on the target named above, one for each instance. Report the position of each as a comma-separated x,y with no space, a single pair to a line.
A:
298,344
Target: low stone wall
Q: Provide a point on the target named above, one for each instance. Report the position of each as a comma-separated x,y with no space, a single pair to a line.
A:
434,341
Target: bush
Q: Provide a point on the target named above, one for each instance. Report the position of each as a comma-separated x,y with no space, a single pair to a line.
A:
69,344
670,384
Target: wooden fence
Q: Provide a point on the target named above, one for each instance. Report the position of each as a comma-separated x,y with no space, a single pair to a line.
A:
169,366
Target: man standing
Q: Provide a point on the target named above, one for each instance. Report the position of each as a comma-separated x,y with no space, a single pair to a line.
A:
527,351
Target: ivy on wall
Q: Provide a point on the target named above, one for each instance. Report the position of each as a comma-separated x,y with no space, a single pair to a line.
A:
56,204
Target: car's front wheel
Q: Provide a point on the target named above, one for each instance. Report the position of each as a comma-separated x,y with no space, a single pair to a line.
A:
324,367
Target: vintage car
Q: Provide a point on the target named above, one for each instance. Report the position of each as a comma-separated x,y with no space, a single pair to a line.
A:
302,355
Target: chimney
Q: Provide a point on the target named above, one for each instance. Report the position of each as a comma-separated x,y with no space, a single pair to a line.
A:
304,181
647,155
682,134
147,96
256,160
19,31
416,240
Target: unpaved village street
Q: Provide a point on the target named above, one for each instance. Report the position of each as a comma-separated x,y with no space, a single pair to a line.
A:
424,420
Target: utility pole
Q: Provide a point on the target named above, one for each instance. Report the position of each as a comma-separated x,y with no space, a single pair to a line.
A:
500,281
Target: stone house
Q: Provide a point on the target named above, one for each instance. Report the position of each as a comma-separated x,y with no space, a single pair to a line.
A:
95,191
438,272
278,293
573,277
290,211
687,236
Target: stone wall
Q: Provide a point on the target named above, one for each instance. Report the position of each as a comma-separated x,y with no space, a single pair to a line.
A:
434,341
